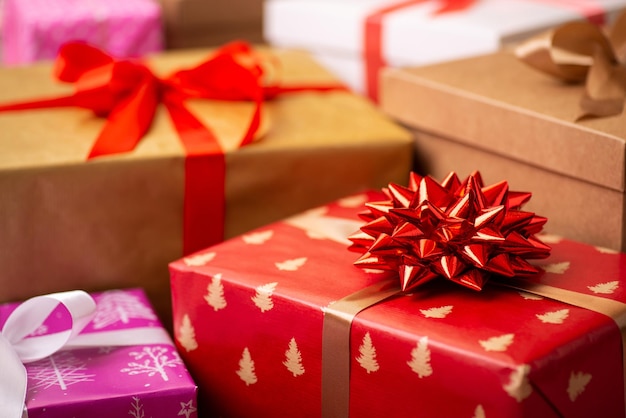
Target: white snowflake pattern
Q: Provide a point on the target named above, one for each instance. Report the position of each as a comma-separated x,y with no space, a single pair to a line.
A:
118,306
62,369
136,408
155,361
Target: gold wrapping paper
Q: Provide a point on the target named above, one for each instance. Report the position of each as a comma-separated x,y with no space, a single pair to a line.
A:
116,221
499,116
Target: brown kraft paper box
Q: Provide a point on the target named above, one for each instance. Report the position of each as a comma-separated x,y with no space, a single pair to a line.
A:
495,114
116,221
200,23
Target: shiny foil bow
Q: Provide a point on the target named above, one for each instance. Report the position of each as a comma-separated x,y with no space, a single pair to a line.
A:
578,52
461,231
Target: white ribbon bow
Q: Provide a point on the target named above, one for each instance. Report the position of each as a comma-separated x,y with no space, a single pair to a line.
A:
16,349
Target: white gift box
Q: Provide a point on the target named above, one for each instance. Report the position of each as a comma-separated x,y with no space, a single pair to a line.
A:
333,30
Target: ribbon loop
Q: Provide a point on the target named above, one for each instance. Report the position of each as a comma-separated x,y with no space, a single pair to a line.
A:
582,52
16,347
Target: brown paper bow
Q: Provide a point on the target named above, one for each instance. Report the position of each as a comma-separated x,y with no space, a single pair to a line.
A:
579,52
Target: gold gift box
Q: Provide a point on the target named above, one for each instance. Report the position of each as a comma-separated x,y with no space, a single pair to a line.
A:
116,221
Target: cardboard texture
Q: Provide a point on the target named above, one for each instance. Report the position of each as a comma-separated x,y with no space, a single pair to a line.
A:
414,35
260,303
33,30
496,115
116,221
198,23
141,380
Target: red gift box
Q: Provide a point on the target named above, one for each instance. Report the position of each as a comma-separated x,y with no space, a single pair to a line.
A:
251,319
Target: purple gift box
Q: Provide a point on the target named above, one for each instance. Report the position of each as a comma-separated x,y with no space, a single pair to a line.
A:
33,30
114,379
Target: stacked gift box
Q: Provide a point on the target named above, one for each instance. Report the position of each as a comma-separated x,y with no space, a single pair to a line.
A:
312,208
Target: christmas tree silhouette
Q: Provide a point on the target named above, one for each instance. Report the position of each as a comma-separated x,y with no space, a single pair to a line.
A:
367,357
263,296
187,335
215,295
420,359
293,359
246,368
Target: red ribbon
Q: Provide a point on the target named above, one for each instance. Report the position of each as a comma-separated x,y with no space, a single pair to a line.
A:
372,39
127,93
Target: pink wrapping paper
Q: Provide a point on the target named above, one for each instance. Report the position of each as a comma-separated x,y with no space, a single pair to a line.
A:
257,304
33,30
109,381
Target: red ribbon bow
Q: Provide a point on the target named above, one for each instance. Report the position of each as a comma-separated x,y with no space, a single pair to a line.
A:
461,231
127,93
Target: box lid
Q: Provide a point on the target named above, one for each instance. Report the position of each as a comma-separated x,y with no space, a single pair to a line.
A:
497,103
415,35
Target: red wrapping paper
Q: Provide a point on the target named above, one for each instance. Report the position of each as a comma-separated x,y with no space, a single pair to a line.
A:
257,303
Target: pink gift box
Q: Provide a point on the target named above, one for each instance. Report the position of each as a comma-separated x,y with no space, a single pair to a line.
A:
138,381
33,30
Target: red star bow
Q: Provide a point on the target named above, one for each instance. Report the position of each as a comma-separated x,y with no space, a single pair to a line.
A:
461,231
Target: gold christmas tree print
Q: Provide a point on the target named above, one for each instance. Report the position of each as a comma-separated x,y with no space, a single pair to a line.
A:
578,381
479,412
557,268
367,354
291,265
215,293
499,343
604,250
518,386
246,368
606,288
199,259
530,296
187,335
439,312
353,201
420,358
263,296
293,359
257,238
555,317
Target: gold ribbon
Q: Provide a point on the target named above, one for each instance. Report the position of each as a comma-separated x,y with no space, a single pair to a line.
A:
578,52
338,315
338,318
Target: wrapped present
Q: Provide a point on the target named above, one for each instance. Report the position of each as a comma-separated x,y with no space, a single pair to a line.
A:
116,220
507,119
197,23
33,30
287,311
361,37
90,356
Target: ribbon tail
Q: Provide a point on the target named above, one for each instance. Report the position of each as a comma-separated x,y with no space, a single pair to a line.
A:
605,90
66,101
13,383
454,6
127,123
205,176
